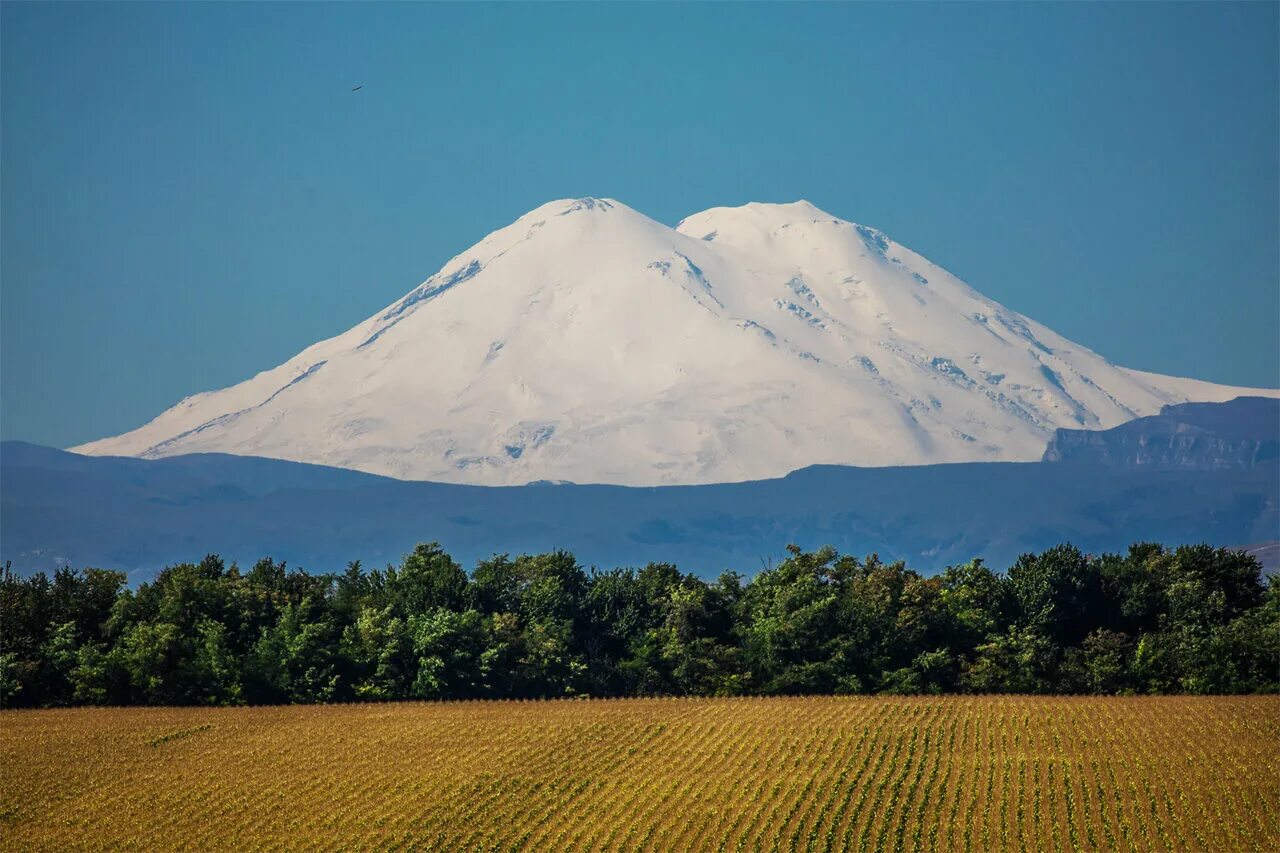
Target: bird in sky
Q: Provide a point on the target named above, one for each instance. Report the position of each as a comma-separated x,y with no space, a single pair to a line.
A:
357,88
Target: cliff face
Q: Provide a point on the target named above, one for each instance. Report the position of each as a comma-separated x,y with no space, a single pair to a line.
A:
1237,435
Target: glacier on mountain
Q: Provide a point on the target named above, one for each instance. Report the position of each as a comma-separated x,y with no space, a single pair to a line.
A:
586,342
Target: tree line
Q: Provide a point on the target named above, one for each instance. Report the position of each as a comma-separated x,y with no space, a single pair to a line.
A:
1153,620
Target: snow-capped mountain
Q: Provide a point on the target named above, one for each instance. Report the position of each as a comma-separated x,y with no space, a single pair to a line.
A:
589,343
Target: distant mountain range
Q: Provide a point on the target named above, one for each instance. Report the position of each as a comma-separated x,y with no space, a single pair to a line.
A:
585,342
1141,481
1189,437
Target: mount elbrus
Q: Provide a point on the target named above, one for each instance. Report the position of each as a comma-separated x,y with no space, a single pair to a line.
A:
586,342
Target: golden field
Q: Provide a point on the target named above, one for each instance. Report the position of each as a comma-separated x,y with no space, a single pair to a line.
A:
950,773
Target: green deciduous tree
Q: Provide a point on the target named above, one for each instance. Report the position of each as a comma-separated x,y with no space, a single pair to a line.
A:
1151,620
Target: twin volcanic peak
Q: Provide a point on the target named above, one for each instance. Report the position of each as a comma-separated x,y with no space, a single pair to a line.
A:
586,342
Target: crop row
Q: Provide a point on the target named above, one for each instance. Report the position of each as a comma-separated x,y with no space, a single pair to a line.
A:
811,774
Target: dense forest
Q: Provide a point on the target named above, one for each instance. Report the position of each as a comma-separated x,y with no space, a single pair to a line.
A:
1192,620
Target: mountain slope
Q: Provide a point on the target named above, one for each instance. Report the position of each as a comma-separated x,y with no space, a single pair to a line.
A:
587,342
1241,434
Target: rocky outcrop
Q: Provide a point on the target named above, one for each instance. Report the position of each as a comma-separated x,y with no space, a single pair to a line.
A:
1237,435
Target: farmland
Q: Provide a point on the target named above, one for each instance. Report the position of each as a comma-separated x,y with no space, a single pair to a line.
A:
882,773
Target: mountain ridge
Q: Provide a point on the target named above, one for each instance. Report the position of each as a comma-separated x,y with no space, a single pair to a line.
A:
587,342
1240,434
138,515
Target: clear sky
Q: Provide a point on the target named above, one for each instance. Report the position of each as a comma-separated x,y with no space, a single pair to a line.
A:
192,193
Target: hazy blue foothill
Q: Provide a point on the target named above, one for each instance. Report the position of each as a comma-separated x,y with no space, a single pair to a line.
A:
1217,483
1191,436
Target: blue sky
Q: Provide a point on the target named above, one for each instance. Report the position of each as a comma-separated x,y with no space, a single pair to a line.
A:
191,193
